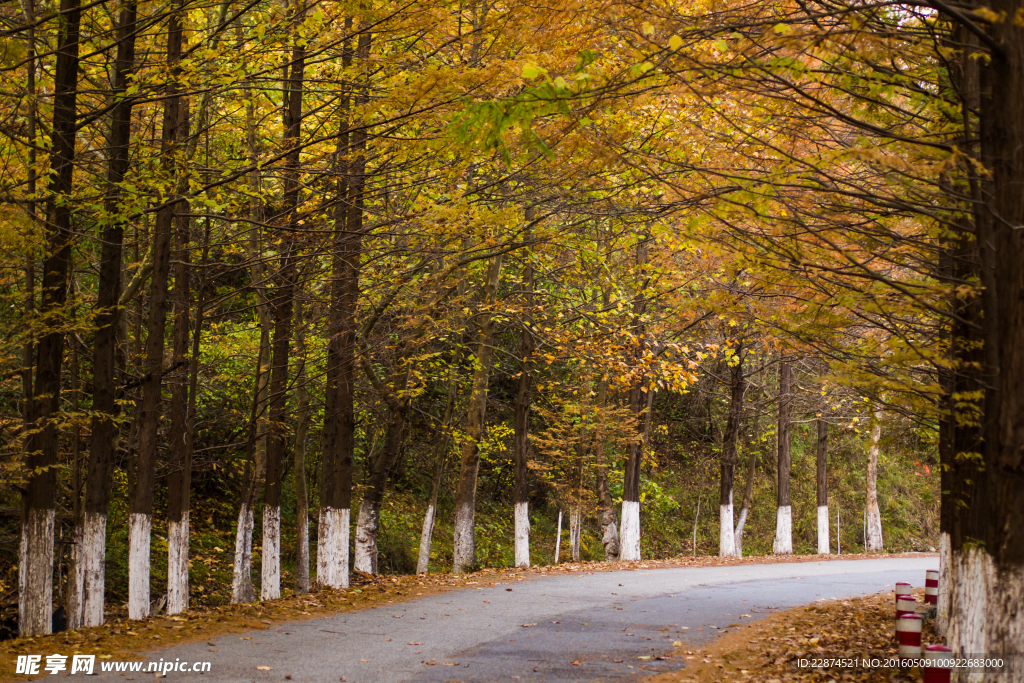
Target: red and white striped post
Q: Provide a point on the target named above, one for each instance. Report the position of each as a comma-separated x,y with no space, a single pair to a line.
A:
931,587
905,604
938,667
908,634
903,589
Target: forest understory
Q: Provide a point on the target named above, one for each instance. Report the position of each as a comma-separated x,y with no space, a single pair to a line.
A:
673,492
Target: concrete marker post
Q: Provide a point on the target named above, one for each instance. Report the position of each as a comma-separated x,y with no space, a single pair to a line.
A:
938,667
908,631
931,587
905,604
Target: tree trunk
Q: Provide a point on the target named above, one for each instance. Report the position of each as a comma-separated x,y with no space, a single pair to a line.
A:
87,596
299,467
179,452
726,535
558,536
465,499
141,507
332,561
440,457
575,531
241,581
873,539
35,555
987,543
270,586
748,502
629,547
606,506
784,512
822,487
521,448
28,350
398,401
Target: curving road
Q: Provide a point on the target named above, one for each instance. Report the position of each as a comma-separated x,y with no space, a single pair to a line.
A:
606,626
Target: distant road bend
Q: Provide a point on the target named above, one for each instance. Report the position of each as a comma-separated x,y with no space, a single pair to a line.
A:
575,627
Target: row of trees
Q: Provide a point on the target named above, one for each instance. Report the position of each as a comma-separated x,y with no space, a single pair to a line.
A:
375,205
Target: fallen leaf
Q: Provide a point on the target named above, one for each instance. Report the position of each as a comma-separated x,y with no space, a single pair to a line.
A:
576,662
263,668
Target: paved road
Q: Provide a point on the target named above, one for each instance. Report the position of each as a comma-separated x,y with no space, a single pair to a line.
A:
583,627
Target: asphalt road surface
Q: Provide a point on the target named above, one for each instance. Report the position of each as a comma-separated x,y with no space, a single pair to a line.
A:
606,626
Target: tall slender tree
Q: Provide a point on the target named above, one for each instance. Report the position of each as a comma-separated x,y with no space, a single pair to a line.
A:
140,518
283,315
784,511
737,387
629,542
465,497
520,455
872,515
35,554
86,599
821,485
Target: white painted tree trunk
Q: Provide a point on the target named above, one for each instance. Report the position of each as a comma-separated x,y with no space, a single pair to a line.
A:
726,531
423,561
558,537
522,534
73,603
332,548
986,618
945,585
873,529
741,525
366,537
325,564
270,584
783,531
302,556
610,537
575,531
241,580
824,543
629,541
92,568
873,516
465,540
177,565
35,575
140,527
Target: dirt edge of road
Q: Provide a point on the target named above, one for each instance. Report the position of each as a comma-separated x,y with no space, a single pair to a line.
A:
770,650
122,640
